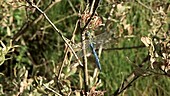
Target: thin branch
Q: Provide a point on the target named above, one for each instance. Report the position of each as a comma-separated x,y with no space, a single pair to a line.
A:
48,7
62,19
22,30
56,30
52,90
28,23
124,48
128,85
66,51
85,62
72,6
131,78
65,56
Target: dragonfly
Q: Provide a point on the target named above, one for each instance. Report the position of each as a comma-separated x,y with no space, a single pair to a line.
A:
93,50
94,42
100,39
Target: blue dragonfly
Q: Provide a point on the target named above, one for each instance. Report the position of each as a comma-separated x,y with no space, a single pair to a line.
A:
93,50
99,40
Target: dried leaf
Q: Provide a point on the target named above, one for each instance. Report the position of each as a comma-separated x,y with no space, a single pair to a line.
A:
146,41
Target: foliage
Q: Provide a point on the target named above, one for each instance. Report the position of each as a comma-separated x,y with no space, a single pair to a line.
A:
36,59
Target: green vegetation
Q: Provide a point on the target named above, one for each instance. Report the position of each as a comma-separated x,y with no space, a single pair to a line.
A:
36,61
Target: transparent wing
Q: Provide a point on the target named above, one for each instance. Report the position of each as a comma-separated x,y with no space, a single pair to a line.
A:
98,40
91,45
